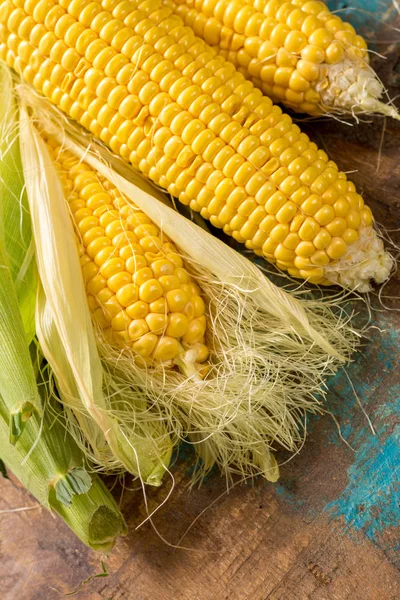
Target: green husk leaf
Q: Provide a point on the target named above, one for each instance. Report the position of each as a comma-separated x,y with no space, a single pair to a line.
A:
17,378
3,470
45,454
75,482
15,223
18,281
41,450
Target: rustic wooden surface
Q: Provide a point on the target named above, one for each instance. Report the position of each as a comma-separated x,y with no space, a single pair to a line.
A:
329,530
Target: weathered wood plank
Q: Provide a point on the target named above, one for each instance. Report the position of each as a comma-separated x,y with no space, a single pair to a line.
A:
328,531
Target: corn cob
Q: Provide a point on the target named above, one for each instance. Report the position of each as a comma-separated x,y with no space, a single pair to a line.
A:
139,291
158,96
297,52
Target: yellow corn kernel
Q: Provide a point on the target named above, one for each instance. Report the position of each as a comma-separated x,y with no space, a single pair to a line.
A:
313,275
96,284
100,319
313,54
138,310
142,275
134,262
170,282
337,248
198,305
301,262
111,267
282,76
115,282
157,322
324,215
178,325
312,205
320,258
104,255
286,213
145,345
295,41
120,322
104,295
202,352
275,203
158,306
89,270
176,300
322,239
309,229
127,294
336,227
321,38
137,329
279,233
150,290
162,267
341,207
353,219
366,216
93,304
350,236
334,53
98,244
195,331
87,224
309,70
291,241
283,254
112,307
167,349
267,224
305,249
182,275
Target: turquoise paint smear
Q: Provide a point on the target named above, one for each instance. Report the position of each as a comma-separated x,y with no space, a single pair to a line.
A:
371,500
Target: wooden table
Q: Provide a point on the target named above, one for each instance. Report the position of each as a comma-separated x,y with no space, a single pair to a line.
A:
329,530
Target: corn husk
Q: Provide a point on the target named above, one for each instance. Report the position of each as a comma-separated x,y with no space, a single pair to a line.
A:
14,210
52,468
66,334
42,454
17,305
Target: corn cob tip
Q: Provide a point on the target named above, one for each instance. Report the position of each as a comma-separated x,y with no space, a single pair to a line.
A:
352,86
365,261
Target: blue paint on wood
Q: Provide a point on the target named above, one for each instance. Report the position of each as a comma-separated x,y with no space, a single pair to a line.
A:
371,500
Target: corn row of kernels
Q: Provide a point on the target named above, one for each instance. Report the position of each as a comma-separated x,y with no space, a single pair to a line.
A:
283,47
229,154
138,289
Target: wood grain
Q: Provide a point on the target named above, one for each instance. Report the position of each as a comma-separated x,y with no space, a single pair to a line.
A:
328,531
